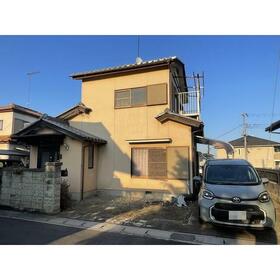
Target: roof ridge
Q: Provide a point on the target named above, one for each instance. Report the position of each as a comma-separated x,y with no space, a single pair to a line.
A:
123,66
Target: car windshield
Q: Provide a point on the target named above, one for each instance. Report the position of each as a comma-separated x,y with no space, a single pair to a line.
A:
231,175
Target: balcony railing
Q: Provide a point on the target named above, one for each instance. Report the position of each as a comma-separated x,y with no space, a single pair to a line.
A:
187,103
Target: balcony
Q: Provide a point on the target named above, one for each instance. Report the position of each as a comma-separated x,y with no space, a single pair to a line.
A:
187,103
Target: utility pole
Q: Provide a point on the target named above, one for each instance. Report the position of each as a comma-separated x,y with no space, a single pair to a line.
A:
29,75
245,126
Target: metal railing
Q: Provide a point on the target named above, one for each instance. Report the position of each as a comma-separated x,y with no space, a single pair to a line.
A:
272,175
188,103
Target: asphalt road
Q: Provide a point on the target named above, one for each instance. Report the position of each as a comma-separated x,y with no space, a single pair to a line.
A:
19,232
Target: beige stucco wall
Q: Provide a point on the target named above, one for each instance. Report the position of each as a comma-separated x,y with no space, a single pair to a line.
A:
90,174
119,125
33,157
72,160
7,118
262,157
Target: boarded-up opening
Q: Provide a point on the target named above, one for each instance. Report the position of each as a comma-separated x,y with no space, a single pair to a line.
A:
178,162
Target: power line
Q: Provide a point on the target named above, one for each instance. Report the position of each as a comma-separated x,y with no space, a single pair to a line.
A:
233,129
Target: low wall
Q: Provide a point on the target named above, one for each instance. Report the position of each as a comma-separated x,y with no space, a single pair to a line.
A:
32,189
274,191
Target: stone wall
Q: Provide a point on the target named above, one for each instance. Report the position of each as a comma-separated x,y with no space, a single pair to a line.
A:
32,189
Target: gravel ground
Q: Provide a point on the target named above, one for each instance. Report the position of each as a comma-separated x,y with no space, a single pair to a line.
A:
164,216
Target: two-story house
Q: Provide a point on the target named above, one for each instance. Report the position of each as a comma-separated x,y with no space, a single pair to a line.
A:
12,119
261,153
134,131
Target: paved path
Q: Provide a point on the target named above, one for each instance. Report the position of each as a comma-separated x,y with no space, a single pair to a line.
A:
20,232
83,229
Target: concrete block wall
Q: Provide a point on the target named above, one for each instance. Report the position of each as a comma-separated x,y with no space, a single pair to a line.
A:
32,189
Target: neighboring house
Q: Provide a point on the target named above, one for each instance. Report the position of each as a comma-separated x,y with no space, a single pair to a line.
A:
262,153
13,118
133,132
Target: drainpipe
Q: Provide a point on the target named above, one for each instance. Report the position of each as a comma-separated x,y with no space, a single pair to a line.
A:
83,171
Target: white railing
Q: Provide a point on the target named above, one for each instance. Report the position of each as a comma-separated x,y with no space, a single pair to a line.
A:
187,103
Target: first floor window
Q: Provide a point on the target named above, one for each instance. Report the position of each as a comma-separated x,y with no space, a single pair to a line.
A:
171,162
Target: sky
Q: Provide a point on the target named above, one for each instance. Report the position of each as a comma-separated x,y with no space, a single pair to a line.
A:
240,73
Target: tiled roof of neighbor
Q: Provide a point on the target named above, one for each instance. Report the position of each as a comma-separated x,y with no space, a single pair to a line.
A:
143,64
253,141
64,127
20,109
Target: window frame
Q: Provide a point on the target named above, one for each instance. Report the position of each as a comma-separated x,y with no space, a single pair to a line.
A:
91,156
147,177
159,177
146,101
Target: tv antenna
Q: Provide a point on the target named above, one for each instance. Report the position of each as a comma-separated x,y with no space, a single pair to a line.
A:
30,75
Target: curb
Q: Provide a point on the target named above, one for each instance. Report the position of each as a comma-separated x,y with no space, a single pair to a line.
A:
187,238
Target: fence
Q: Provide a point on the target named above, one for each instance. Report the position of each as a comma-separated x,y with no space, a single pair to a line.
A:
31,189
272,175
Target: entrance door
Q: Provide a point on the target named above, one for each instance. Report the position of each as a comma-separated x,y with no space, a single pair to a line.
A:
47,153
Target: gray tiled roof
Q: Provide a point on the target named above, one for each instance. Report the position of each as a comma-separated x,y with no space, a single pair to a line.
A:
64,127
253,141
126,66
21,109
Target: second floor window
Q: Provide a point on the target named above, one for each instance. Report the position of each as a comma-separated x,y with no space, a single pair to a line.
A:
141,96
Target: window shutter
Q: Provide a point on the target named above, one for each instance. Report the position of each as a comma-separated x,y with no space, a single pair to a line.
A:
157,94
122,98
157,163
178,162
138,96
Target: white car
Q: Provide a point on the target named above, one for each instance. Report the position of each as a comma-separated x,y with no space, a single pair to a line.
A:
232,193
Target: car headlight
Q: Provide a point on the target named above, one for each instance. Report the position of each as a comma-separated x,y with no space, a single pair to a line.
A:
208,195
264,197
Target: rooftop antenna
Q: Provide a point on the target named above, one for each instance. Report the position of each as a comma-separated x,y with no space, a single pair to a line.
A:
30,75
139,60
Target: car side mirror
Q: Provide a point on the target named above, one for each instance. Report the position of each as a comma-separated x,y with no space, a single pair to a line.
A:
265,181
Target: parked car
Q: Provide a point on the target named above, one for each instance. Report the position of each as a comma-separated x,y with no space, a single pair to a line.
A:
232,193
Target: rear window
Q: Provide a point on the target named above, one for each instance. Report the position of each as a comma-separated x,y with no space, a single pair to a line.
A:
231,175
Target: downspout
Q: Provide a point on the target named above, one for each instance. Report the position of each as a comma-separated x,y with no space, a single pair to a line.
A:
83,171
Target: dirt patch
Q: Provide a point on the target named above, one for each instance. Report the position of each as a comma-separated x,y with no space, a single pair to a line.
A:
164,216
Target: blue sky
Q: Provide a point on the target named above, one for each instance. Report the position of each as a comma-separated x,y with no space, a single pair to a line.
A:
240,72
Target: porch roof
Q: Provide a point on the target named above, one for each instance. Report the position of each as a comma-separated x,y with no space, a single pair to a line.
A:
168,115
60,126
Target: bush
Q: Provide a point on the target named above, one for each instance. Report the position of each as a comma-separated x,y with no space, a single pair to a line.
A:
65,198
